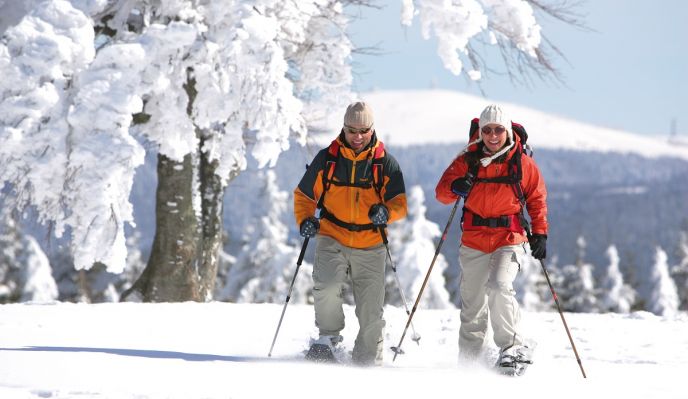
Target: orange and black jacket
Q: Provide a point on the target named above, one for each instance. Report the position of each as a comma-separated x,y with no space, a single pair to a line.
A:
351,193
496,200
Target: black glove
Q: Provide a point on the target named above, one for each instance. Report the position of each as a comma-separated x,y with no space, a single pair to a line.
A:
309,227
538,246
378,214
462,185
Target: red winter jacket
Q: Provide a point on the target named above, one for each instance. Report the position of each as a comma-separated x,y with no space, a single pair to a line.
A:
490,200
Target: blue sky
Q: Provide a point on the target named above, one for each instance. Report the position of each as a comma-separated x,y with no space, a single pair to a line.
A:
628,73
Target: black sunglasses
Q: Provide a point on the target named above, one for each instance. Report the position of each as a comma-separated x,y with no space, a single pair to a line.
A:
497,129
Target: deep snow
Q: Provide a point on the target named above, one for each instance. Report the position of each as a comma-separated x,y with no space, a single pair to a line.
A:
219,350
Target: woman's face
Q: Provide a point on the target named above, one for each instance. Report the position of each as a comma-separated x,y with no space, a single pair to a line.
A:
494,136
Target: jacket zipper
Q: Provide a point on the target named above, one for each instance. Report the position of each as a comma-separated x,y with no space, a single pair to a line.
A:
354,207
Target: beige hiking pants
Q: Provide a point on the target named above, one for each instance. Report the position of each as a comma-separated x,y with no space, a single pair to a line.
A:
487,289
334,263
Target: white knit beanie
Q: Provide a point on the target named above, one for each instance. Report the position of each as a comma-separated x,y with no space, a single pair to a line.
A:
493,113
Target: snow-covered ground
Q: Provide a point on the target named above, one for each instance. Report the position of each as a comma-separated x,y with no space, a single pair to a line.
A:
219,350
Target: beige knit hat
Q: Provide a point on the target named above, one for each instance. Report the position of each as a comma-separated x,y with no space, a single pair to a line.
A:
359,114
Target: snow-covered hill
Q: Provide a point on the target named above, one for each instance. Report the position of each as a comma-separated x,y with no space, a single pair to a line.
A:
219,350
416,117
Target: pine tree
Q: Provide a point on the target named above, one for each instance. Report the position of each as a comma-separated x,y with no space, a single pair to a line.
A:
25,272
411,242
530,285
578,292
658,290
614,294
680,271
265,267
452,282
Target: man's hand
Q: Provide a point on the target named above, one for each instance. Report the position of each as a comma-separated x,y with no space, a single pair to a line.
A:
309,227
378,214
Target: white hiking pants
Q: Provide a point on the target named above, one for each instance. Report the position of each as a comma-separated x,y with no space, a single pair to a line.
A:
334,263
487,289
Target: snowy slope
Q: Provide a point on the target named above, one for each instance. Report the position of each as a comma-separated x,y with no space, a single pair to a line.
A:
412,117
219,350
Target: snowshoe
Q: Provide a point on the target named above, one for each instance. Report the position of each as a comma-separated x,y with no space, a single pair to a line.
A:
514,360
322,350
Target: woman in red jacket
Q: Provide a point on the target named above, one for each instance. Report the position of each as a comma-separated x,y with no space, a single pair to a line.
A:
493,238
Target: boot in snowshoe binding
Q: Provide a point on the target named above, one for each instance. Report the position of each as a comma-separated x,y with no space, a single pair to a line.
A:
322,349
514,360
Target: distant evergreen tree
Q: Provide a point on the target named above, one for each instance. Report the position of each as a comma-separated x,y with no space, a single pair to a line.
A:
531,285
680,271
265,267
578,285
657,289
614,295
25,272
411,242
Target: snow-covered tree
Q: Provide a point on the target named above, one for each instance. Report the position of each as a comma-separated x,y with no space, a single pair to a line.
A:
452,281
265,267
510,25
204,83
657,289
577,292
614,294
531,287
411,241
25,273
96,284
680,271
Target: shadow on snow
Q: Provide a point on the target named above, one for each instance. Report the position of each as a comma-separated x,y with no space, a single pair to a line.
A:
151,354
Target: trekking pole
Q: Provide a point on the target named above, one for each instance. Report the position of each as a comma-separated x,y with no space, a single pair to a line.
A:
415,337
427,275
291,287
556,300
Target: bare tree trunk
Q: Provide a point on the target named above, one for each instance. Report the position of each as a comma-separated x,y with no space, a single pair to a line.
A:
184,258
171,274
211,219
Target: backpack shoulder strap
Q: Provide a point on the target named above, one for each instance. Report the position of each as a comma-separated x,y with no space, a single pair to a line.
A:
378,167
328,171
330,163
473,131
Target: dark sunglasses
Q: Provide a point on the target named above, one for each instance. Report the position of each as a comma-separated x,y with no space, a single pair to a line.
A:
352,130
497,130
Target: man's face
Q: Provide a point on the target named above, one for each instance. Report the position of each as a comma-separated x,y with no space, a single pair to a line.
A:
358,136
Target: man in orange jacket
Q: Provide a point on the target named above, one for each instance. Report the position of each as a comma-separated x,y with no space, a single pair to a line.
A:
358,188
493,238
